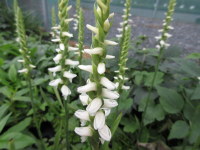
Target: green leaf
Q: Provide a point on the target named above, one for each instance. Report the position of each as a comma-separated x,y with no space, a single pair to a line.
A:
3,121
180,130
12,73
196,94
6,91
3,109
125,103
193,56
170,100
20,140
20,126
149,78
130,124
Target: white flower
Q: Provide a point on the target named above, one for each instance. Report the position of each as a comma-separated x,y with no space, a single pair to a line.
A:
109,103
119,35
99,120
109,94
86,68
55,69
32,66
55,28
67,34
170,27
55,40
21,60
83,139
23,70
84,99
101,68
57,58
168,35
110,57
106,25
82,114
120,29
87,88
105,133
99,11
158,37
94,106
125,87
111,15
198,78
97,50
73,48
69,20
83,131
71,62
62,46
69,7
69,75
65,91
107,83
112,43
55,82
93,29
107,111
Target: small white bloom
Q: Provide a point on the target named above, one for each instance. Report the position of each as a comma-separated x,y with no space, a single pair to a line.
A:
107,83
162,43
86,68
106,25
55,69
65,91
125,87
82,114
83,131
32,66
67,34
99,11
120,29
99,120
170,27
55,40
69,7
158,37
111,15
198,78
109,94
84,99
105,133
57,49
69,75
158,46
119,35
112,43
55,82
168,35
83,139
109,103
69,20
71,62
57,58
94,51
72,48
101,68
94,106
23,70
93,29
21,60
55,28
110,57
87,88
62,46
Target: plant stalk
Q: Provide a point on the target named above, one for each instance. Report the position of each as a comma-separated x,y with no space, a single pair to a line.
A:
66,124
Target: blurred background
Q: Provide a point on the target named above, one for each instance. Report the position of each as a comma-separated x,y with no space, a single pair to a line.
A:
147,16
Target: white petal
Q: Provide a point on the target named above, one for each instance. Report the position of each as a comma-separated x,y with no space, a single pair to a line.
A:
57,58
62,46
71,62
112,43
109,94
107,83
109,103
99,120
97,50
55,40
69,7
93,29
83,131
69,20
21,61
55,69
87,88
65,91
84,99
55,82
67,34
83,139
86,68
73,48
82,114
94,106
110,57
125,87
23,70
101,68
32,66
105,133
69,75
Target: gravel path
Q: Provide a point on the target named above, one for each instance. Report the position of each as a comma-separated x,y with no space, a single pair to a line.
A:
185,35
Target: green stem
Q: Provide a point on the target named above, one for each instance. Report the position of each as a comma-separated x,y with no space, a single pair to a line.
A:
150,89
66,124
37,124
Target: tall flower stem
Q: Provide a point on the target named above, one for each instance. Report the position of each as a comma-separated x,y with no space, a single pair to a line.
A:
161,47
66,125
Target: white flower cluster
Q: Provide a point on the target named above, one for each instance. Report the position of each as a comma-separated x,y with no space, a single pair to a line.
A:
98,95
126,19
26,67
76,17
64,65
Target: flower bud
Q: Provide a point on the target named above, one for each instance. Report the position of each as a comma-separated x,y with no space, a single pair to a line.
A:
62,46
86,68
87,88
23,70
84,99
71,62
82,114
105,133
94,106
101,68
112,43
69,75
99,120
55,82
106,25
93,29
83,131
65,91
67,34
109,103
109,94
107,83
57,58
97,50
